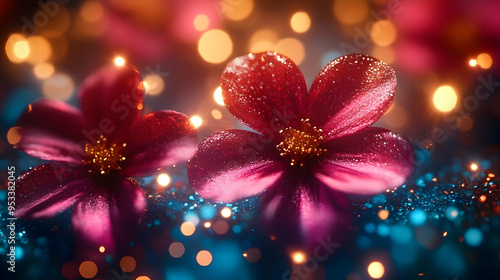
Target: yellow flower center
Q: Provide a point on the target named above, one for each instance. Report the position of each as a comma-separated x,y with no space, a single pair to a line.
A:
301,145
102,158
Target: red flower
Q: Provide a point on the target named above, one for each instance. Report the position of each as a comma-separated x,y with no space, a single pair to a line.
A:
312,146
95,153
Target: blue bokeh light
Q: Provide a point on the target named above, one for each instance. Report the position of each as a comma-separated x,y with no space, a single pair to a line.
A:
418,217
473,237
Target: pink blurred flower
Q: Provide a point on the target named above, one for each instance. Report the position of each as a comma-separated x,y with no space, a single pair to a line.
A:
312,146
95,152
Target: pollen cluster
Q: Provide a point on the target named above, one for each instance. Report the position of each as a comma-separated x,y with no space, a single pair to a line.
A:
301,145
102,158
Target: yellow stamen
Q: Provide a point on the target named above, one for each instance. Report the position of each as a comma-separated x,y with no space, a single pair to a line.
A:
103,157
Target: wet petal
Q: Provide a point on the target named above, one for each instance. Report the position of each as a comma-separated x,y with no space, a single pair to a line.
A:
52,130
265,91
367,162
159,140
48,190
351,93
112,100
109,215
305,213
234,164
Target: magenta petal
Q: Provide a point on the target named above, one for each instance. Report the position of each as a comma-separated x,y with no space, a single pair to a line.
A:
109,215
159,140
266,91
350,93
234,164
49,189
305,213
367,162
111,100
52,130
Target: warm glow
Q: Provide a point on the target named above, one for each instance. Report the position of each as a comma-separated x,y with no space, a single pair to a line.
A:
43,70
383,33
163,180
484,60
142,278
216,114
153,84
472,62
236,10
386,54
396,117
383,214
263,40
14,135
16,48
473,167
300,22
88,269
207,224
196,121
218,96
445,98
40,50
376,270
226,212
215,46
119,61
92,11
201,22
482,198
102,249
298,257
188,228
58,86
176,249
128,264
350,11
292,48
204,258
220,227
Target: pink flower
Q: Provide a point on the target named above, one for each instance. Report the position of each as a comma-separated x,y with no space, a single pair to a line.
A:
312,146
95,152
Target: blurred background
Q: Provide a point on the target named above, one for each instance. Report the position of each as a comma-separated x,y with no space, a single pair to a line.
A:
446,54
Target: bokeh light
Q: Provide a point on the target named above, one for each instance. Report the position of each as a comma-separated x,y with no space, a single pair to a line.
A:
236,10
128,264
197,121
216,114
58,86
88,269
220,227
445,98
142,278
383,214
201,22
263,40
472,62
473,237
40,50
102,249
215,46
218,96
176,249
163,179
473,166
188,228
418,217
92,11
252,255
204,258
300,22
207,224
17,48
14,135
298,257
292,48
376,270
386,54
43,70
119,61
484,60
153,84
226,212
350,11
383,33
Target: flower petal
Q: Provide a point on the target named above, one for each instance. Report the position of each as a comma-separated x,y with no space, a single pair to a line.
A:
49,189
52,130
159,140
234,164
367,162
111,100
265,91
299,210
351,93
109,215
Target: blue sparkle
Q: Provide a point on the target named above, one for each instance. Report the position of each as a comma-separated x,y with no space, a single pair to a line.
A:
473,237
383,230
370,228
418,217
207,212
